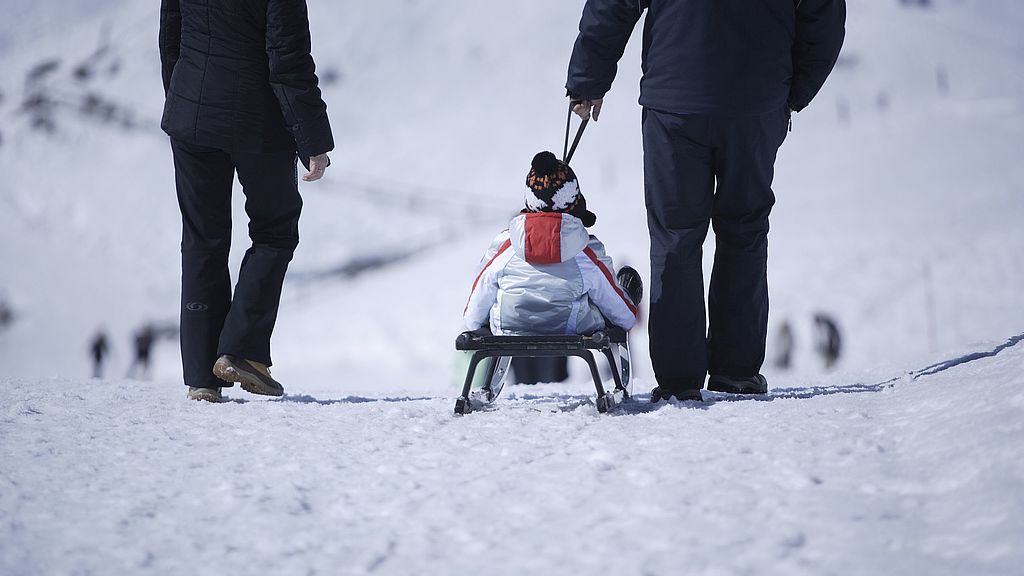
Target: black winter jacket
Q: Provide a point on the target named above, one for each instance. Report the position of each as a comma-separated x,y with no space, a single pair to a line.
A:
729,57
239,76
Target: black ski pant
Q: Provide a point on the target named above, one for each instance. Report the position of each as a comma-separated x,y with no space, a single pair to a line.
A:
212,321
702,170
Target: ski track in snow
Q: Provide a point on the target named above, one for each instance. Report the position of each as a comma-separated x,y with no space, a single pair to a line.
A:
919,476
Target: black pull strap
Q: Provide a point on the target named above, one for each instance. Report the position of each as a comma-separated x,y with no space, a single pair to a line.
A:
567,152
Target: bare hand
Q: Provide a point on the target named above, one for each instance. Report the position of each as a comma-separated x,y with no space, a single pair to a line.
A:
587,108
317,166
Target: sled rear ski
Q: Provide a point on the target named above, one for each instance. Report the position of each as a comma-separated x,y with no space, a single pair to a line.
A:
499,351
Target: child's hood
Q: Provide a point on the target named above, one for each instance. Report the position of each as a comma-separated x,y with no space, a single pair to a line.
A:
547,237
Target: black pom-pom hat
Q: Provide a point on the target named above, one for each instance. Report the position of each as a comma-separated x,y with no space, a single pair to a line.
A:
551,186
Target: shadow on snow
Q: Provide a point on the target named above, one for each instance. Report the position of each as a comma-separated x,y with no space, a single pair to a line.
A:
640,403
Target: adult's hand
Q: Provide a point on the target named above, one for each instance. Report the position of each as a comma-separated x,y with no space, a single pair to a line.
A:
587,108
317,166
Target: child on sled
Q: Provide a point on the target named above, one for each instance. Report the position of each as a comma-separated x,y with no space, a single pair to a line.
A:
546,274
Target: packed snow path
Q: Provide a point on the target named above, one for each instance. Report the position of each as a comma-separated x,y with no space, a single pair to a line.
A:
915,476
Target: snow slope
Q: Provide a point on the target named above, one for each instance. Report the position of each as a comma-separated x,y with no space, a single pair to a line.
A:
911,476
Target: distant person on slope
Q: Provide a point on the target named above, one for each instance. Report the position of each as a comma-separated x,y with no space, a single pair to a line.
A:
143,347
98,349
721,78
242,96
547,274
828,340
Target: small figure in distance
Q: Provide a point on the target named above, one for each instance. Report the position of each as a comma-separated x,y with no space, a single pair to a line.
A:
828,341
785,342
143,348
99,347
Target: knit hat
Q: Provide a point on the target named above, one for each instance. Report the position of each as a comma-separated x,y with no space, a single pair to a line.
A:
551,186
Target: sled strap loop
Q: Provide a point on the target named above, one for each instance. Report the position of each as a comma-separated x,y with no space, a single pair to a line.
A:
567,152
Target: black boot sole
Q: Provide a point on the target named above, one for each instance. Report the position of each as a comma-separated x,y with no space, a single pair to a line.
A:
685,396
729,388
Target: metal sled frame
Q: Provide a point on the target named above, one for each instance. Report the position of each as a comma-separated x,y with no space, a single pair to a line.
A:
486,346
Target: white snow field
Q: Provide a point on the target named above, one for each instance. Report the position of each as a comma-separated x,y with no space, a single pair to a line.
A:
900,202
913,476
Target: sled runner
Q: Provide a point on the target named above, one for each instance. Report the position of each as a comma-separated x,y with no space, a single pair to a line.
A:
498,351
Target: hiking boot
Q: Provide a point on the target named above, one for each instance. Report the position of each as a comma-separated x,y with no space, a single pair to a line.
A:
630,281
253,376
205,394
738,385
683,395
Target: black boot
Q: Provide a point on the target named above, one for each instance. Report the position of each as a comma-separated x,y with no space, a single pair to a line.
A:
630,281
738,385
683,395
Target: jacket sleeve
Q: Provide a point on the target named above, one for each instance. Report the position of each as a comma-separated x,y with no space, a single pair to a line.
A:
599,282
293,77
820,31
484,293
605,29
170,39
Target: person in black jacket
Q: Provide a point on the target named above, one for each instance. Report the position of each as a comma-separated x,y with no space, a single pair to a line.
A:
721,79
242,97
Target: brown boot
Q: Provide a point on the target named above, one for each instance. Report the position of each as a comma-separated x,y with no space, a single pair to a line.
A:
205,394
253,376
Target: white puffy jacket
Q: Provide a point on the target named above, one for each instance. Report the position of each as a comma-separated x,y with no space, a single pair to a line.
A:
547,275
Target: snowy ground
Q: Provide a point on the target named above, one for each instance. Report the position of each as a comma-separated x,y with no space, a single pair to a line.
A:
915,476
899,210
